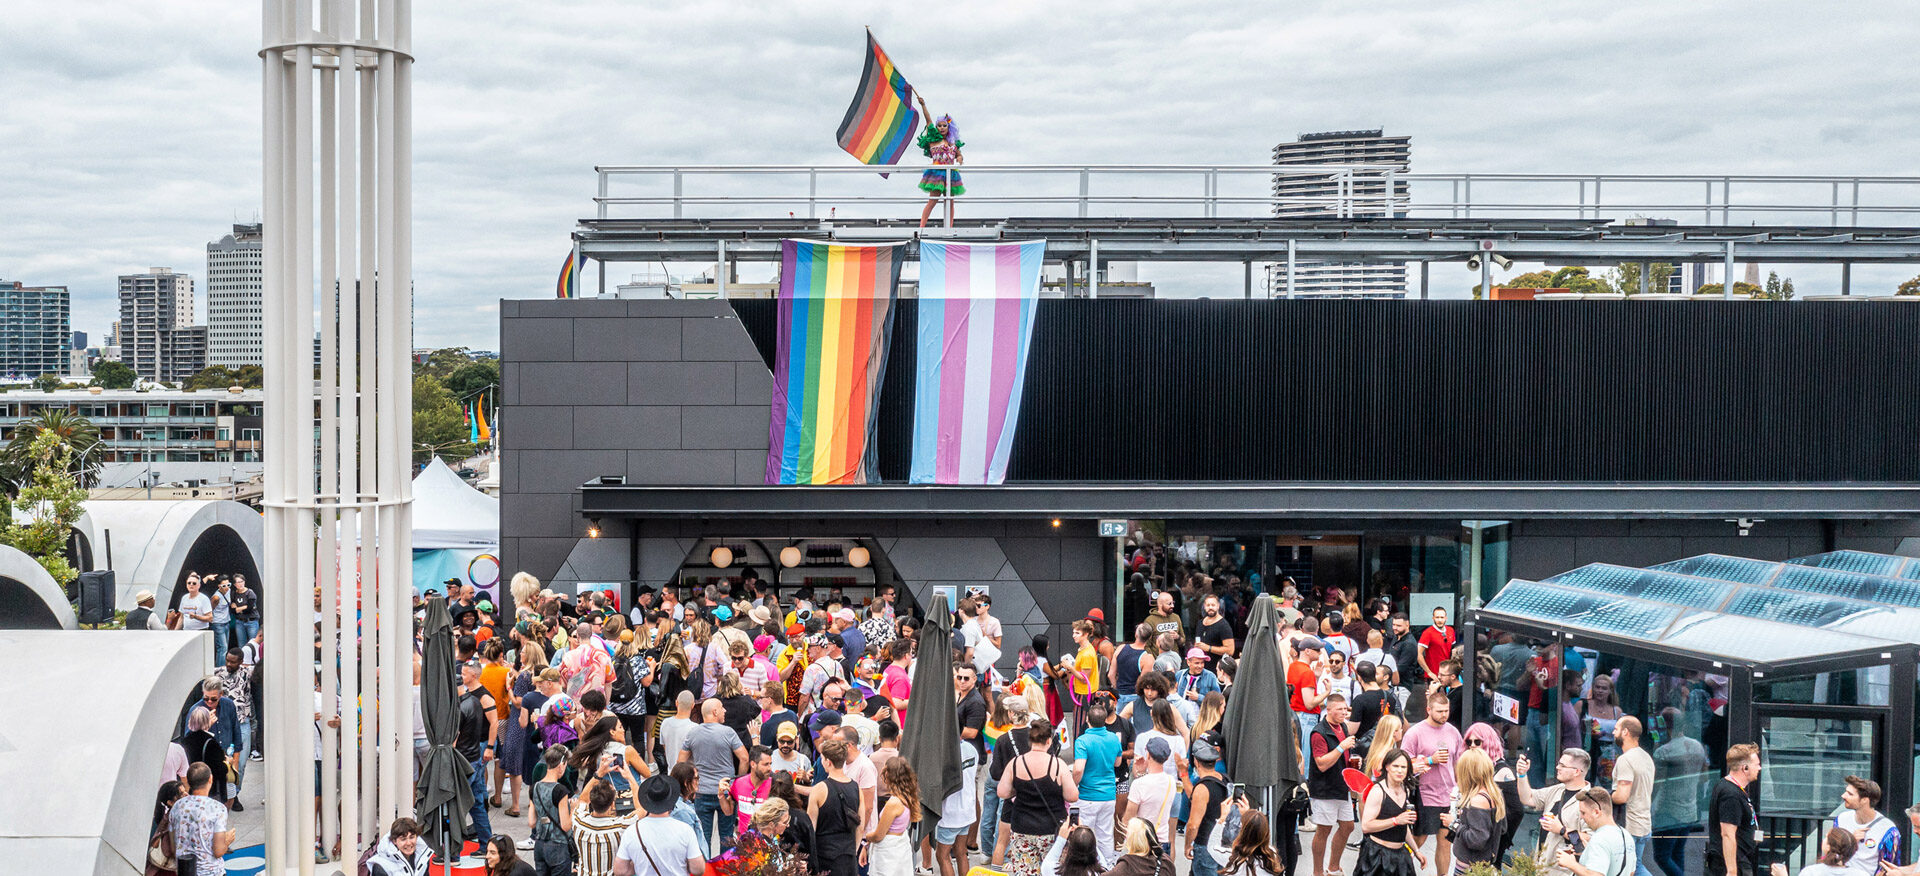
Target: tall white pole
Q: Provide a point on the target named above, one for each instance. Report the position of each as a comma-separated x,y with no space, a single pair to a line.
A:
337,147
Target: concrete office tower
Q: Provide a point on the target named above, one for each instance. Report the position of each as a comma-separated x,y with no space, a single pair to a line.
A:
34,330
1312,197
152,306
233,298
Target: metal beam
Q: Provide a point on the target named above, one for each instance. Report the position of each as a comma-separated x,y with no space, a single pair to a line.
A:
1265,500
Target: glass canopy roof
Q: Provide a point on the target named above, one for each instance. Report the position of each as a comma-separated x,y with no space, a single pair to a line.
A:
1733,608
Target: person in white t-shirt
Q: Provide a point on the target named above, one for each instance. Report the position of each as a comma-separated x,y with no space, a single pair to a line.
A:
659,845
1154,790
1836,855
196,609
957,813
1876,838
1377,655
675,727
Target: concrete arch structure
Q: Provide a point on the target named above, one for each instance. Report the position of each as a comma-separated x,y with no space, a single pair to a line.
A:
29,597
94,820
153,545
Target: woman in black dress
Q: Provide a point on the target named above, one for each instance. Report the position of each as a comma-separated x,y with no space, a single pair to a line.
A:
1384,819
201,747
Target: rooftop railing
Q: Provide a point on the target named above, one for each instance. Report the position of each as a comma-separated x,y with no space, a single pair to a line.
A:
1335,191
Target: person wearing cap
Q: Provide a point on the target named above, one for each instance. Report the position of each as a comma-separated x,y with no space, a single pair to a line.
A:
853,642
142,617
855,716
1205,804
787,757
1303,678
1193,684
819,673
773,713
658,845
1154,789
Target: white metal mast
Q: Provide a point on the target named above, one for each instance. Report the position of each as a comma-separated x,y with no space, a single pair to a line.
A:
338,427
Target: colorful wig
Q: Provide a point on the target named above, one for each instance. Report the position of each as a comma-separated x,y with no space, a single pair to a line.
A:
953,130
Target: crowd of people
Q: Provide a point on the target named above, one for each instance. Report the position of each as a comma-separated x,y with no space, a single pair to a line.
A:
739,729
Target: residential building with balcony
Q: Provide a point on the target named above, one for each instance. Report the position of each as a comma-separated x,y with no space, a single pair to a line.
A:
153,427
35,328
153,306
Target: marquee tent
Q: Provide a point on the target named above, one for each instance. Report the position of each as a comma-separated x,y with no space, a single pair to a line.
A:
456,531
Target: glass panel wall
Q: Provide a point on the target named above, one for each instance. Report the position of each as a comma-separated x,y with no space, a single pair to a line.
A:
1805,762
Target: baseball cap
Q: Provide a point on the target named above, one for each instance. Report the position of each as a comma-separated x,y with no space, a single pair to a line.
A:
485,605
823,719
1196,652
1309,643
1158,749
762,642
787,731
722,613
844,615
817,640
1202,751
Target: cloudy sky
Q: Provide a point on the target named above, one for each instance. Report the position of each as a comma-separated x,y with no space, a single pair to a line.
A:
130,131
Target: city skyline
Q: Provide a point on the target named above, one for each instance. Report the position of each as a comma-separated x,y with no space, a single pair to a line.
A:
610,83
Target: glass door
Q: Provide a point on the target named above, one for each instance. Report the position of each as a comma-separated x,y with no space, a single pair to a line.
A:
1806,755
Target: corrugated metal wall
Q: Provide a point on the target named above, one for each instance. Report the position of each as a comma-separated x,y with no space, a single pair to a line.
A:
1357,390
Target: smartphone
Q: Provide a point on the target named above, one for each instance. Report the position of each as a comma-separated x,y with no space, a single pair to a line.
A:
1073,814
1574,842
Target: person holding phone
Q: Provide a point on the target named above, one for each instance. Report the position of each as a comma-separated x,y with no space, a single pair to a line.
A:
1605,848
1557,803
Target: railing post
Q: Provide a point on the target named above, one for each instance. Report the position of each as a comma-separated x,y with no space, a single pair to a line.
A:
676,193
1726,287
1453,205
1093,269
720,268
1708,218
1833,217
1726,200
1856,203
1292,244
948,173
1387,200
1083,192
1467,184
1583,199
602,205
813,184
1596,197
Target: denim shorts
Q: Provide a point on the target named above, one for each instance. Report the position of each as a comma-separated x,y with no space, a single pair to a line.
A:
944,836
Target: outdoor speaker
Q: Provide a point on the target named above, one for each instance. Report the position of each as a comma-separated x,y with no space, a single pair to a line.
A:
96,597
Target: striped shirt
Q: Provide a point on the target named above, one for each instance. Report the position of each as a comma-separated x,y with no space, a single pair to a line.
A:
597,837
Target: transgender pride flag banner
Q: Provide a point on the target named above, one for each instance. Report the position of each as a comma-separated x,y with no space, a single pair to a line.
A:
975,327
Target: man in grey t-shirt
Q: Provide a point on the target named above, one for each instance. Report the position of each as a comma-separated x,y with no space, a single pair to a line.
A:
713,749
1633,775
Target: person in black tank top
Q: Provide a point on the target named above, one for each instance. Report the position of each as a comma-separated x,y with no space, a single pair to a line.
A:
1384,819
833,804
1126,663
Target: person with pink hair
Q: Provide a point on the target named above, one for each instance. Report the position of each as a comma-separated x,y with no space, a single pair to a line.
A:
1483,737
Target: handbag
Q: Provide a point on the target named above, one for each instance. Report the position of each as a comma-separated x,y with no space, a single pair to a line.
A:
160,858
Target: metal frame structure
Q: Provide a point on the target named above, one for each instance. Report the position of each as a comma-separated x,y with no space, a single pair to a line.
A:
337,496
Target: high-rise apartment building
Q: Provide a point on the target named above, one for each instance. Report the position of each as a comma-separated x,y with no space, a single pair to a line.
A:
1310,196
154,307
233,298
34,330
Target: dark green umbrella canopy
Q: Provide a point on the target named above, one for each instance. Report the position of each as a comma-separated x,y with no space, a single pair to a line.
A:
444,795
1259,727
929,740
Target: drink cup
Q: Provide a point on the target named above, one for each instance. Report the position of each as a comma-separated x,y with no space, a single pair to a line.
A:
1444,755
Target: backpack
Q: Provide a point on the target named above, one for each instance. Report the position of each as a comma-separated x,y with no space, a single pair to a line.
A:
625,688
361,868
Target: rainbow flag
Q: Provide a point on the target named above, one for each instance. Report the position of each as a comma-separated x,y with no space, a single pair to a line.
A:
568,286
975,328
835,321
881,121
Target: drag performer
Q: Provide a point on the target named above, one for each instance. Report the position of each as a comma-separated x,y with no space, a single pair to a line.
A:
940,142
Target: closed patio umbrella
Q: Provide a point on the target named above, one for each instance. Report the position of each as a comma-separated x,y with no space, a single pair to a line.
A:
1259,726
445,797
929,741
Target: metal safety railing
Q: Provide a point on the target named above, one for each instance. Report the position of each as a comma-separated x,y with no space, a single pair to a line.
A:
1336,191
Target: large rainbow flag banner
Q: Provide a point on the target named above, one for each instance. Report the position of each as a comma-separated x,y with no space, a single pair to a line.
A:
881,121
975,327
835,321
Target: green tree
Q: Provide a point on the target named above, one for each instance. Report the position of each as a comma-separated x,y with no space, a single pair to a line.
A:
1625,277
220,377
47,506
47,382
1573,278
1910,287
114,374
440,364
471,378
76,433
1776,289
439,423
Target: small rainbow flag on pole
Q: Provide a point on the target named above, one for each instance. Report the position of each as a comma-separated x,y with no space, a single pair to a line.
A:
568,286
835,322
974,329
881,121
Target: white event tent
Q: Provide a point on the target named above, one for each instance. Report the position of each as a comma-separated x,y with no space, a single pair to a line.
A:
456,530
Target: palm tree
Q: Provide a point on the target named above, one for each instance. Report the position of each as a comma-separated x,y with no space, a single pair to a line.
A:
77,432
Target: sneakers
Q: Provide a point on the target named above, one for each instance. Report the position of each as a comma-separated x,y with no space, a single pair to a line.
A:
525,845
258,757
238,806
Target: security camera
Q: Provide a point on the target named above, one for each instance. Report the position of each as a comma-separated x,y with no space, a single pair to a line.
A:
1744,524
